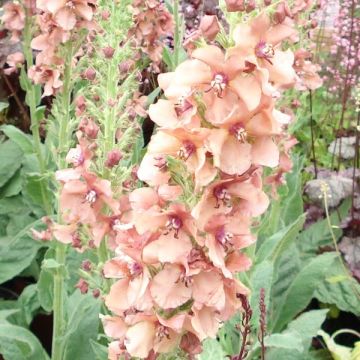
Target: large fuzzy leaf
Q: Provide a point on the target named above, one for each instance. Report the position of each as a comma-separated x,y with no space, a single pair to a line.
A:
303,287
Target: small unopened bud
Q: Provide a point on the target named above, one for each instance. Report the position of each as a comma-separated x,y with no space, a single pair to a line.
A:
267,2
96,97
313,24
295,103
89,128
113,158
125,66
96,293
90,74
282,11
83,286
209,27
108,52
250,6
234,5
86,265
105,15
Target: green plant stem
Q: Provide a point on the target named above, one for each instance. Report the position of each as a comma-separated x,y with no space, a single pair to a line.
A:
60,250
35,124
177,32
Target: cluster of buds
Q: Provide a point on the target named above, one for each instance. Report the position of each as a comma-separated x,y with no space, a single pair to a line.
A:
179,240
152,24
57,22
13,23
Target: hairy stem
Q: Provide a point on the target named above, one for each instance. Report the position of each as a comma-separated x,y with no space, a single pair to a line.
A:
177,33
35,123
59,322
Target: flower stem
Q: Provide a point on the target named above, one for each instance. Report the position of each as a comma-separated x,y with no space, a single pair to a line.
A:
35,124
60,250
177,32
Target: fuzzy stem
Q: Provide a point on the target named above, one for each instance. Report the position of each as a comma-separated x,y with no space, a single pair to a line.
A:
177,32
35,125
60,251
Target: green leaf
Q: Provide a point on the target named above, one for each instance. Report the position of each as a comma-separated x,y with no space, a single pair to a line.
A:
212,350
319,233
292,205
287,268
10,160
286,341
100,351
17,343
274,246
261,277
13,186
4,314
17,253
168,58
303,287
45,285
340,293
3,105
29,303
304,328
23,140
229,336
11,205
83,324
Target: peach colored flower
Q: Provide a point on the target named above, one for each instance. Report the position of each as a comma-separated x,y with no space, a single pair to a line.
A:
258,43
83,200
45,75
13,19
14,61
66,12
223,196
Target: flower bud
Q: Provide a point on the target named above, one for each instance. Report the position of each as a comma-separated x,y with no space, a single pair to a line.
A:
313,24
89,128
209,26
267,2
113,158
295,103
108,52
250,6
96,293
105,15
234,5
86,265
90,74
83,286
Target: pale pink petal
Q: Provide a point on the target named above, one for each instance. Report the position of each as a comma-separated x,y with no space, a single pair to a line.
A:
205,323
84,11
208,290
163,114
117,300
140,339
281,70
248,89
168,290
65,18
167,248
193,73
212,56
114,326
143,198
237,262
265,152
